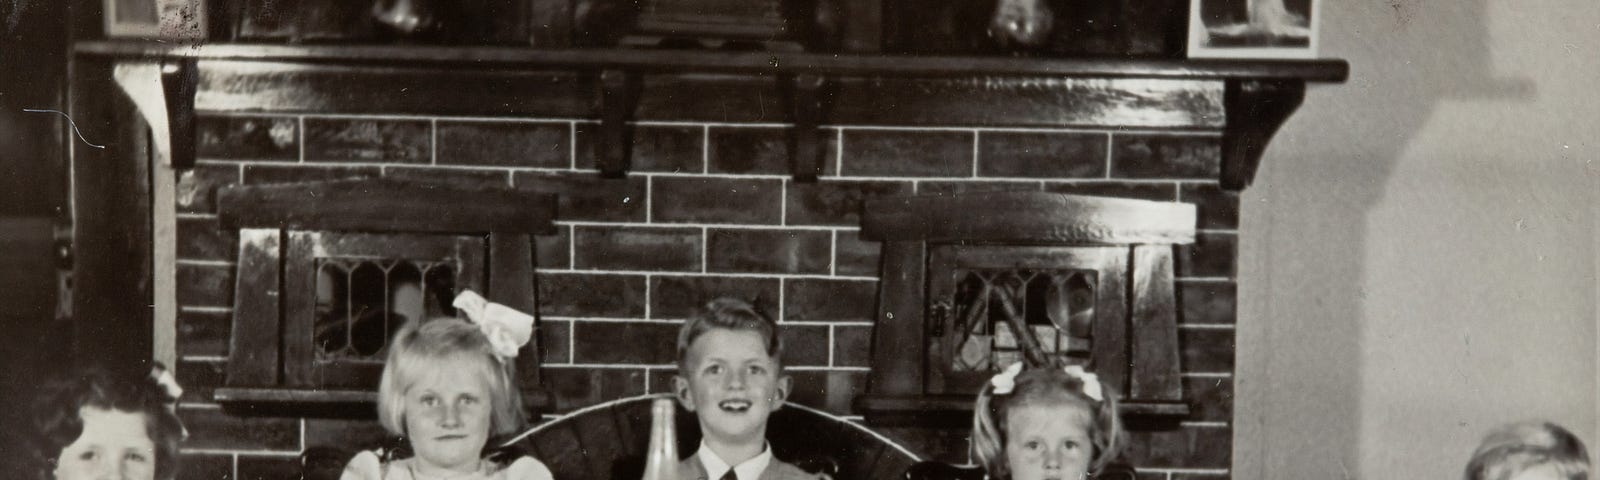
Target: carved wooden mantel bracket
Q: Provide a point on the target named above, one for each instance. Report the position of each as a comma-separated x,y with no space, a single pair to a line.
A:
1255,109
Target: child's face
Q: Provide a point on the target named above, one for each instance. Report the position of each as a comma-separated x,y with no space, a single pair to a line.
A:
1541,472
113,445
1049,441
732,385
447,416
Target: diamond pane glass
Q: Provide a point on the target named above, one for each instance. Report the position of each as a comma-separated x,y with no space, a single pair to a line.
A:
1001,315
362,302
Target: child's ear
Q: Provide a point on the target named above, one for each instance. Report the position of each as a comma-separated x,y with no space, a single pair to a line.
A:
781,393
680,388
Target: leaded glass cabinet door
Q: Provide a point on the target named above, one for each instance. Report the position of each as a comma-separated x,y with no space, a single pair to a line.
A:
346,294
991,306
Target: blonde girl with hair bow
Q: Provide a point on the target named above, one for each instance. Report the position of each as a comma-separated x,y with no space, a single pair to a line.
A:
448,388
1045,423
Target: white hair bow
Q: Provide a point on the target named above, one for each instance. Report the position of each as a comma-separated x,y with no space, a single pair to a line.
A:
506,328
1091,382
165,380
1006,381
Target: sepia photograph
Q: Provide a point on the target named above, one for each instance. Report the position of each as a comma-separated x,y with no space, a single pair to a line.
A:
799,239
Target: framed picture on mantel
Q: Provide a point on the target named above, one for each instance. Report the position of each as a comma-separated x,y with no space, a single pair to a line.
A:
171,19
1253,28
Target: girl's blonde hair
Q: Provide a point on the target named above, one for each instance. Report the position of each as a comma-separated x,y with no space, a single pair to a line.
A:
1519,447
418,349
1043,386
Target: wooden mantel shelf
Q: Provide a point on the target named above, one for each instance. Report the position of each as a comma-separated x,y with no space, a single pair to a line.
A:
730,62
1256,96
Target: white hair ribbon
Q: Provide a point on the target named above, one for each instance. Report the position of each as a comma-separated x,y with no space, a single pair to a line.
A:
1091,382
506,328
1006,381
164,379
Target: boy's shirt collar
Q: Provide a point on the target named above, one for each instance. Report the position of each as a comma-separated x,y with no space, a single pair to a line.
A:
749,470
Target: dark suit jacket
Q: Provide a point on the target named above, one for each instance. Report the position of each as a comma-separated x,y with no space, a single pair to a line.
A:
690,469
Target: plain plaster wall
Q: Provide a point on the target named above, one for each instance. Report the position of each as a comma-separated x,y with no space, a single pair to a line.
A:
1418,262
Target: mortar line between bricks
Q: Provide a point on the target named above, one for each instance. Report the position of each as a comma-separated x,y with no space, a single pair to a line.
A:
705,247
723,226
572,146
224,451
197,216
782,285
976,135
1205,326
300,126
691,123
1088,180
433,141
1218,231
705,149
1197,471
202,263
483,119
790,276
572,246
833,254
199,309
647,295
335,163
229,162
783,202
649,199
609,319
203,358
838,151
1110,147
1204,279
199,406
832,344
233,462
1174,131
1203,424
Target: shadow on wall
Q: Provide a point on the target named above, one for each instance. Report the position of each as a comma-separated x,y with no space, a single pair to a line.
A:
1301,325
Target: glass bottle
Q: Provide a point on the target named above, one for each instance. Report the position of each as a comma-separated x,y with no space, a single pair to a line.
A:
661,460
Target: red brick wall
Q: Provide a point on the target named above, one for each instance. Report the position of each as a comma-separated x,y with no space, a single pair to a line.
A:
707,210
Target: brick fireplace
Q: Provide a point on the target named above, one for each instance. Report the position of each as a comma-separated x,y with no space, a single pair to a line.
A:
708,210
709,205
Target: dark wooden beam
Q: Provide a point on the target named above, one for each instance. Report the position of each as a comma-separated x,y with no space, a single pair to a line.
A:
112,289
384,206
808,105
179,81
1256,108
618,98
703,61
1027,217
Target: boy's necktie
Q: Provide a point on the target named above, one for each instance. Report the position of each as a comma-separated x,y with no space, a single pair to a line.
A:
729,476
